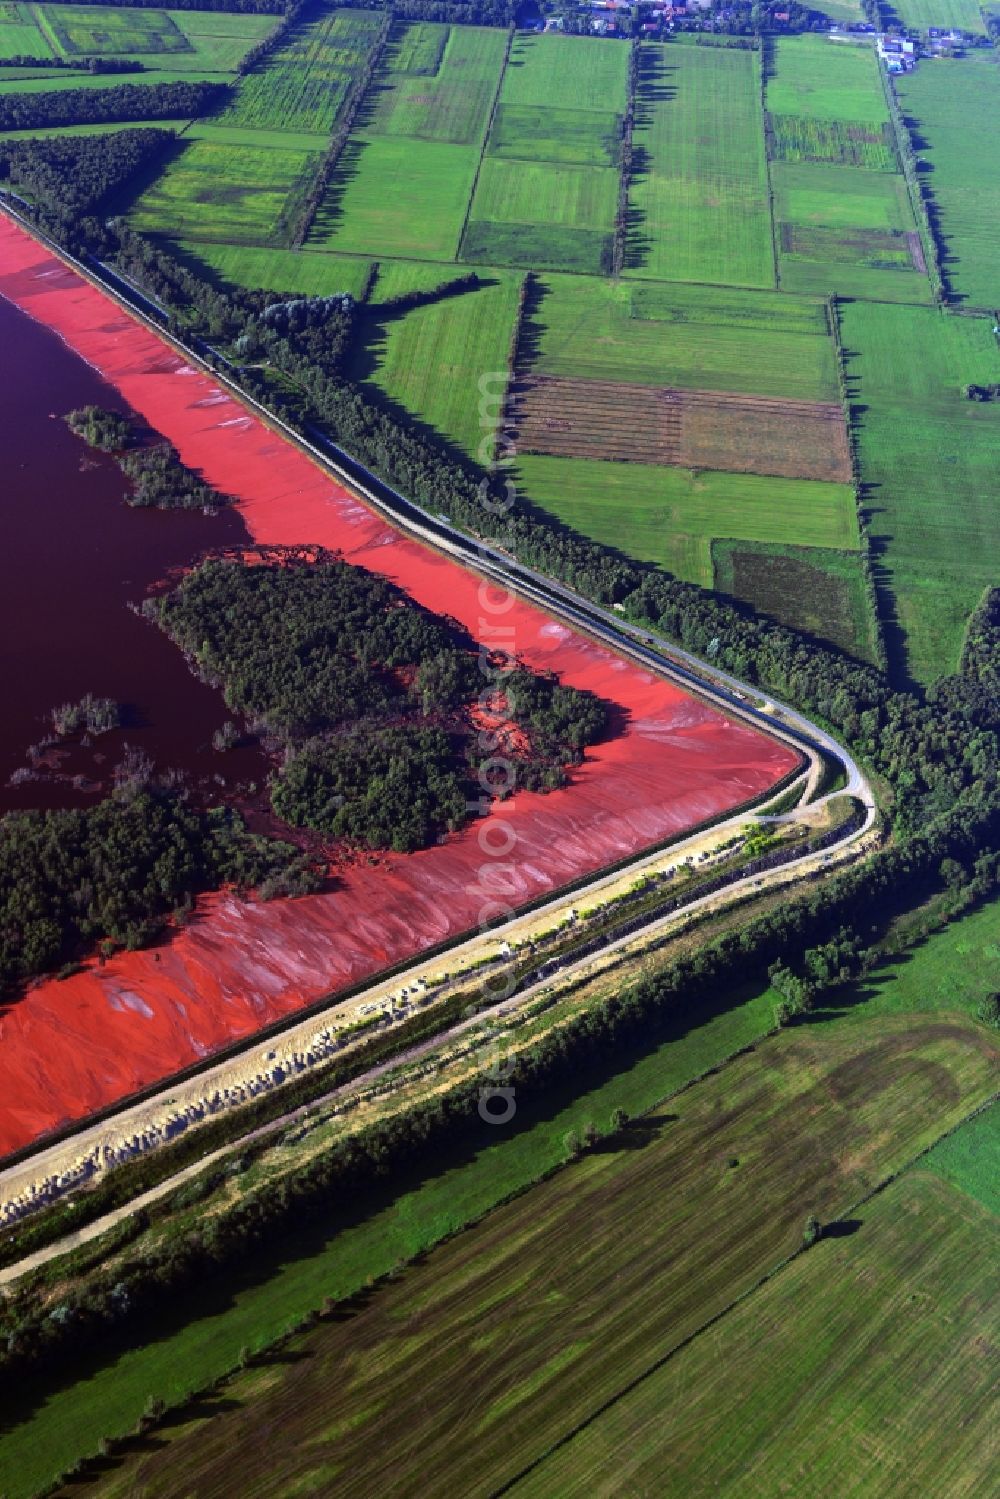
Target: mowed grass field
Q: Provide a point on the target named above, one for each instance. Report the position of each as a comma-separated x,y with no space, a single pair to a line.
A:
698,201
864,1368
179,40
825,80
444,360
230,194
303,85
518,1330
698,338
968,1158
929,460
547,190
395,196
955,107
438,83
672,515
963,15
405,179
311,275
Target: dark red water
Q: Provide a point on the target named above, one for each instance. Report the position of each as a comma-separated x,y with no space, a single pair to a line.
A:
73,556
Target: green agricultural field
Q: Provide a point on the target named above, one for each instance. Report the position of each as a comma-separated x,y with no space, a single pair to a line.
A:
309,274
956,106
445,362
963,15
868,1362
825,80
672,515
566,72
19,33
238,195
929,460
699,198
840,220
303,85
815,590
841,142
846,12
454,103
106,31
532,132
968,1158
753,343
838,197
529,1323
49,131
397,197
520,204
816,278
35,83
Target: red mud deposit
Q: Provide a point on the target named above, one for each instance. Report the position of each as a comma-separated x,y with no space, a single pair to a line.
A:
68,1048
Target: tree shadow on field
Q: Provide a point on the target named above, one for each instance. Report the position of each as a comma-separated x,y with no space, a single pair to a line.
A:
638,1134
842,1229
330,213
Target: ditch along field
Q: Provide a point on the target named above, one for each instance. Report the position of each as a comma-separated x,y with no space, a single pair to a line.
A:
66,1049
928,459
518,1331
547,190
843,219
405,178
698,199
953,107
181,41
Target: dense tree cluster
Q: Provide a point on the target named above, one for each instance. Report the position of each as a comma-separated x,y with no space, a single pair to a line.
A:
69,179
382,787
93,106
114,873
90,715
160,480
371,694
107,430
76,64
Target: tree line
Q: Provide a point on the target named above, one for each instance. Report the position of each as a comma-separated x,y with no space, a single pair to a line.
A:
76,64
97,106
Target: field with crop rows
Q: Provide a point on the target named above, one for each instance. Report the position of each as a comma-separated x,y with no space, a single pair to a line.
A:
802,138
437,86
698,206
672,515
237,195
526,1325
955,107
929,459
910,1288
303,85
817,590
694,429
441,361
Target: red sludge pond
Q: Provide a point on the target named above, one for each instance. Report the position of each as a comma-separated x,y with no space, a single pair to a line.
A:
72,1046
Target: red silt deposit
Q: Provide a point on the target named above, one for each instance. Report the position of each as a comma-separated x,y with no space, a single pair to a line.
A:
68,1048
